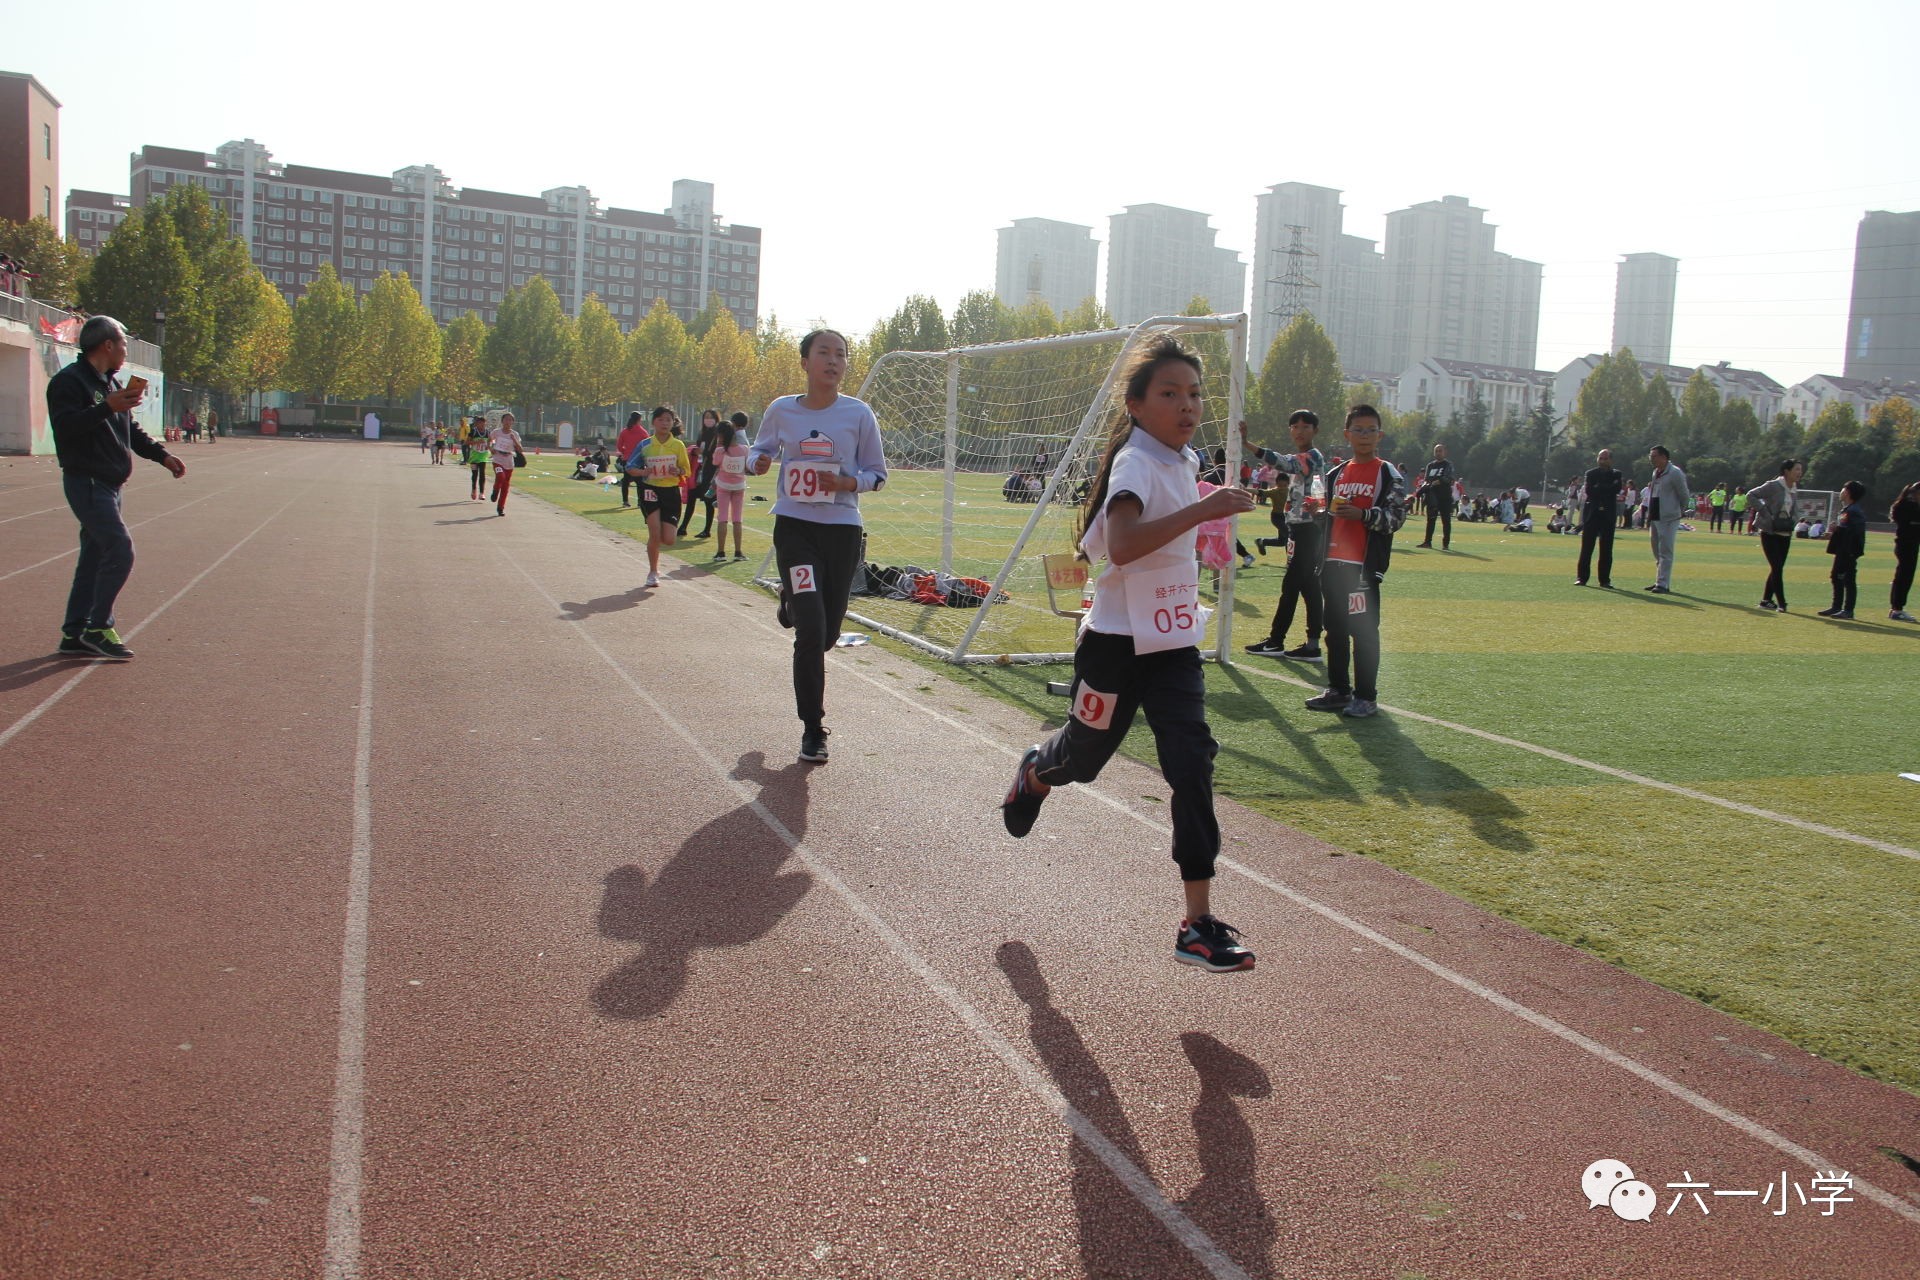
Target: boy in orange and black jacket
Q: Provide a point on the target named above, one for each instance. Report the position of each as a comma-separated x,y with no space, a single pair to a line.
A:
1367,497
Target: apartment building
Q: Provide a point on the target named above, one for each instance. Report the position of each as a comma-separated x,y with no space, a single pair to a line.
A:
1643,305
464,247
1041,260
1159,259
29,150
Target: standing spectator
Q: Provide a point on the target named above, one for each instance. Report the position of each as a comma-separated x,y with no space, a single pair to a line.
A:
729,462
700,487
95,437
1666,500
508,453
1737,511
1629,502
631,437
663,465
1303,524
1436,493
1602,485
1846,543
1368,505
1772,505
1506,512
426,437
1905,514
829,450
191,423
213,425
1717,507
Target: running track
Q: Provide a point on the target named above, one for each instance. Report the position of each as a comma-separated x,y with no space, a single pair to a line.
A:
426,901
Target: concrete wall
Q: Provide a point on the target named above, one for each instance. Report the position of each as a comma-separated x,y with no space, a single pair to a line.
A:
27,360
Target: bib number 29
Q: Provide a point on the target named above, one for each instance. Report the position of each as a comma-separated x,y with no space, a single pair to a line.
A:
1171,620
810,484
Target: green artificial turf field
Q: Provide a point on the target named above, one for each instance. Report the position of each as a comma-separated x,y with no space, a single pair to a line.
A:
1805,934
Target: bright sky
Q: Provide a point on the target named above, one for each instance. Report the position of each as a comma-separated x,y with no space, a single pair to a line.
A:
880,146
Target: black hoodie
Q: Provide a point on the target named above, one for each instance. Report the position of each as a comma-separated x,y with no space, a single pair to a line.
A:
90,439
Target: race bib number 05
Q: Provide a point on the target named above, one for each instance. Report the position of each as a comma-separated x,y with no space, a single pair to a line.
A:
1165,610
809,482
733,466
1093,708
802,576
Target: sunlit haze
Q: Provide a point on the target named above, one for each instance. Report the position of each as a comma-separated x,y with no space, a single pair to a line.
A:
881,146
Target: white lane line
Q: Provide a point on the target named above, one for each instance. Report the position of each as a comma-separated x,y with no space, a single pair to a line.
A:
31,514
346,1156
74,551
1135,1179
90,667
1613,1057
1639,779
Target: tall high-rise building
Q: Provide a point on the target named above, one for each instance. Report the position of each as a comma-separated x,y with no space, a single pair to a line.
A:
1883,323
1298,232
1643,306
464,248
1453,295
1041,260
1159,259
29,149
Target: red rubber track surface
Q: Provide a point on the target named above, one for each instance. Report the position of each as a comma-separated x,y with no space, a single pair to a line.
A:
645,997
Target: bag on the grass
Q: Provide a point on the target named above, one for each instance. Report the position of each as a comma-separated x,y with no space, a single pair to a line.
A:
971,593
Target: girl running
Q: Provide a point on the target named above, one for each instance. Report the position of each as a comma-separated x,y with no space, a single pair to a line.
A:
728,465
507,450
829,450
474,454
661,461
1138,648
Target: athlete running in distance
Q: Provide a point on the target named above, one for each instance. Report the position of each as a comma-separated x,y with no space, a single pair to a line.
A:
1138,648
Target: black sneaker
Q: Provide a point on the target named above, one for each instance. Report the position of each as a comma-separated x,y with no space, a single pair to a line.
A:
70,647
1268,648
1330,700
813,745
1211,944
1304,653
104,642
1022,804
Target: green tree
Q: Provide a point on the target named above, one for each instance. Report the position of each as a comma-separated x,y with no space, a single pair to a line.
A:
1836,422
458,381
978,317
1901,469
527,354
143,278
1661,422
723,364
256,357
1699,417
598,375
657,357
916,326
326,338
1898,413
1301,371
776,370
1739,430
1610,412
399,349
54,262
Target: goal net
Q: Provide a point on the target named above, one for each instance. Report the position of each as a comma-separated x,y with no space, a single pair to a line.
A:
991,449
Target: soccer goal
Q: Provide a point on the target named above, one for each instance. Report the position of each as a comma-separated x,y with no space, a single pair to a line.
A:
992,449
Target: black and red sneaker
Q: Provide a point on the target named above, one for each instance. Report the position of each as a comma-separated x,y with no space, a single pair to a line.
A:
1022,804
1211,944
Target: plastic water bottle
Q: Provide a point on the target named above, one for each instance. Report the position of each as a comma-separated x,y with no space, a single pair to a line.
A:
1317,494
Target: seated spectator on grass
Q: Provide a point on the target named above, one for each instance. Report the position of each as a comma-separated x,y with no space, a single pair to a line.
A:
1559,523
1523,525
1802,527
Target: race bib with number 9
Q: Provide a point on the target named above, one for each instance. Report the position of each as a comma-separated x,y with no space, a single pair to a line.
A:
1093,708
1165,610
809,482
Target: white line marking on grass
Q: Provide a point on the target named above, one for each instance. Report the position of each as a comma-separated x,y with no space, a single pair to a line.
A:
1135,1179
345,1159
1613,1057
1639,779
90,667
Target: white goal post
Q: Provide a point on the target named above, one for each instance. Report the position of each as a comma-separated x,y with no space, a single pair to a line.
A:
991,447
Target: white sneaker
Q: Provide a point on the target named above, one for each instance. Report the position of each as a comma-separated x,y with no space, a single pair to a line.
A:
1247,561
653,580
1900,615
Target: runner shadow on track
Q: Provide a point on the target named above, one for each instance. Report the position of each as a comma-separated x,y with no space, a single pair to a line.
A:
1118,1235
580,610
1409,776
18,675
725,887
490,515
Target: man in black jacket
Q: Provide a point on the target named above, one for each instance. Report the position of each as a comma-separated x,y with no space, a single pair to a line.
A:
1597,514
1436,495
95,437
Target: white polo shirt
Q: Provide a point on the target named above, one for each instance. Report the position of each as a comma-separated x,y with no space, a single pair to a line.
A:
1164,481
